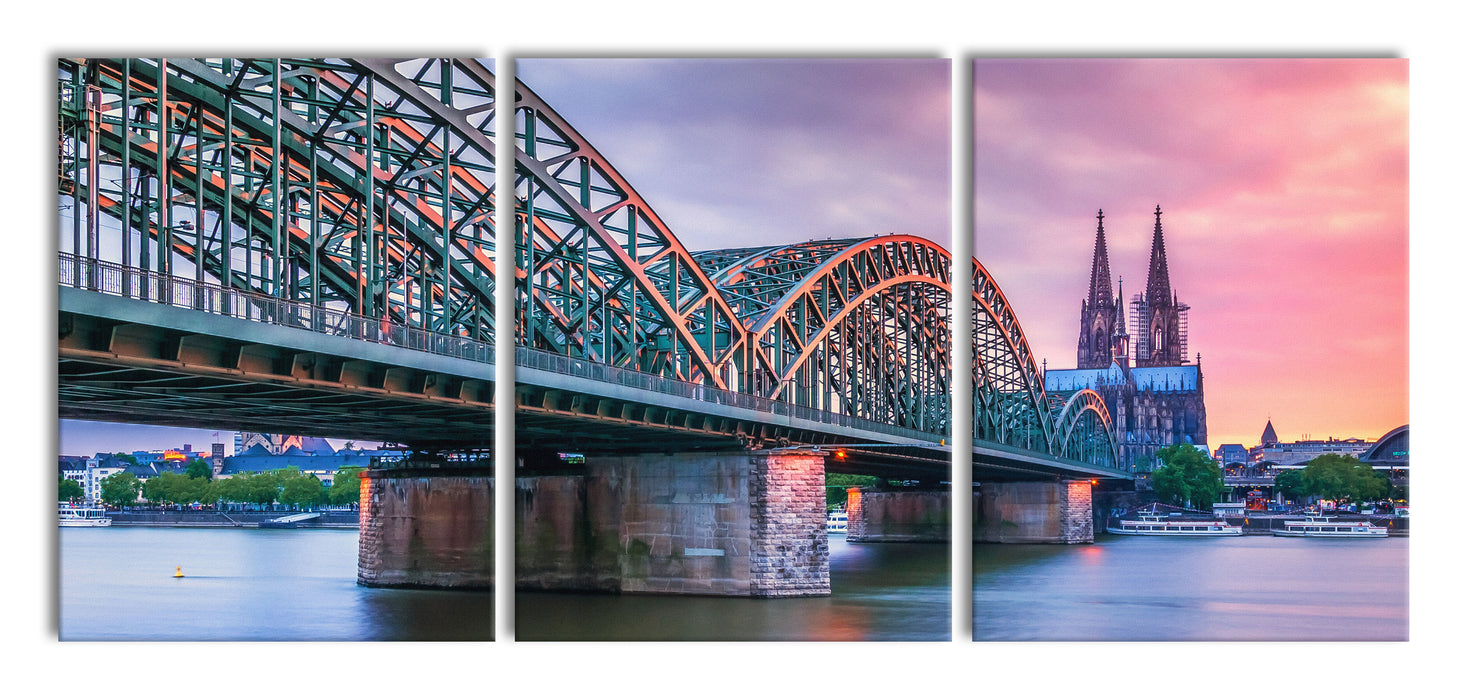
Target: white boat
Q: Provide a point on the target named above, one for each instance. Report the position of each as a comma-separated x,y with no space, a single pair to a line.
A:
81,516
1325,526
1153,524
836,521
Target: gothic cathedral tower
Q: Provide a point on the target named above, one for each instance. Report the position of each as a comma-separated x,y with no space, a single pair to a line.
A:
1161,321
1098,310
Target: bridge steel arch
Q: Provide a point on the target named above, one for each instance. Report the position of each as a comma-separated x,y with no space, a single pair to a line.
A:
361,186
366,187
856,326
1084,431
598,274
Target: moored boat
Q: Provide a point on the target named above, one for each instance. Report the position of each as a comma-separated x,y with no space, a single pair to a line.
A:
81,516
1156,524
1327,526
836,521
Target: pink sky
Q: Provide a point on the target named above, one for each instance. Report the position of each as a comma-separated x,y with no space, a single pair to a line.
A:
1283,186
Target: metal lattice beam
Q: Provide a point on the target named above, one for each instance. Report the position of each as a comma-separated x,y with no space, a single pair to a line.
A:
363,186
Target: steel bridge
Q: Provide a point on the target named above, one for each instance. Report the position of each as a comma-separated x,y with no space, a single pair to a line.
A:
308,246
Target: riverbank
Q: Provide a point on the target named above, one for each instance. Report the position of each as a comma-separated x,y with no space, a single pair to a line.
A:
1263,524
335,519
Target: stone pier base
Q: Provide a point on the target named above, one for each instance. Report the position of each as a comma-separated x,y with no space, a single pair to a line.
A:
898,516
427,528
1034,512
747,524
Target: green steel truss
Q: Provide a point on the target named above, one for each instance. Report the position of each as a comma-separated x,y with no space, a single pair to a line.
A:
363,186
367,187
857,327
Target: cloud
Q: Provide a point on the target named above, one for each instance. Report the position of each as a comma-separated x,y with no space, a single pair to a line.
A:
1283,185
744,152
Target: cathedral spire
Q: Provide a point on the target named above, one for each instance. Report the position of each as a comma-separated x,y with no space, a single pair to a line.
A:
1159,287
1093,347
1100,292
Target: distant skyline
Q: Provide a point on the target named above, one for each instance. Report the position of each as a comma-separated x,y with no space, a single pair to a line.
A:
1283,187
87,438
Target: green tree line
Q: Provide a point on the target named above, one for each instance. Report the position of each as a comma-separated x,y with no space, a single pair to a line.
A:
1187,477
285,486
1333,477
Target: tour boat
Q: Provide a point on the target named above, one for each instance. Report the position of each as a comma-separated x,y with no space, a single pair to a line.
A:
836,521
81,516
1154,524
1324,526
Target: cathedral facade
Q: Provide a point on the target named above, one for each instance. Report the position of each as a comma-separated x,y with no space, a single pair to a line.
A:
1154,394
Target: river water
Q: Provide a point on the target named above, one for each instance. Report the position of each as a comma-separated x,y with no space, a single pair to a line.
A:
879,592
296,585
1252,588
244,584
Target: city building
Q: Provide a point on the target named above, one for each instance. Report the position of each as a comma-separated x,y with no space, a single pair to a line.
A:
322,465
1153,392
279,444
89,472
1271,450
1231,453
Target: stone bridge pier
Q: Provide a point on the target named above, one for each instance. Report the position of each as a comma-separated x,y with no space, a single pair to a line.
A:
737,524
427,526
1035,512
874,515
1055,512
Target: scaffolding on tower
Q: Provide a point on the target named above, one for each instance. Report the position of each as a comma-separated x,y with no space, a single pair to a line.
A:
1182,332
1141,342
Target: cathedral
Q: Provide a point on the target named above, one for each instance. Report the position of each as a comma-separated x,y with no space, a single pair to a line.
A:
1141,369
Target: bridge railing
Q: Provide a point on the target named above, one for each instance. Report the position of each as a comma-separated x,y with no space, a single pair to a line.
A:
145,285
133,283
596,371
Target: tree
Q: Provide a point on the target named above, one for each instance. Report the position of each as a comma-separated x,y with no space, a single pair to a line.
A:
346,486
126,458
301,490
1187,477
260,487
199,469
837,496
120,489
171,487
1289,484
68,489
1343,478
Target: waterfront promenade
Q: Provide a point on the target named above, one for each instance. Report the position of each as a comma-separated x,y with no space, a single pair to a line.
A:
344,519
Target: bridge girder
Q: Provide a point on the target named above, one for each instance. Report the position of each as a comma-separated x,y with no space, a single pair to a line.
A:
254,174
366,188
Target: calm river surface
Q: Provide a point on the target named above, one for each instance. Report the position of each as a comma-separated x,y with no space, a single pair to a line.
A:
245,584
1250,588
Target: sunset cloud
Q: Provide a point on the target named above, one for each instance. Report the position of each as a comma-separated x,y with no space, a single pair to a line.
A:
739,152
1283,185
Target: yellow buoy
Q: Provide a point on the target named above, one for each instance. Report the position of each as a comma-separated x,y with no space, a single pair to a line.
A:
178,572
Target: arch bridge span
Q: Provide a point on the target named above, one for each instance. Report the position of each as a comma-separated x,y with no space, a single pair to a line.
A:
349,206
853,328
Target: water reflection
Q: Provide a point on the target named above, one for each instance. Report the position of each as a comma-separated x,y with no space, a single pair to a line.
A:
244,585
1156,589
888,592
